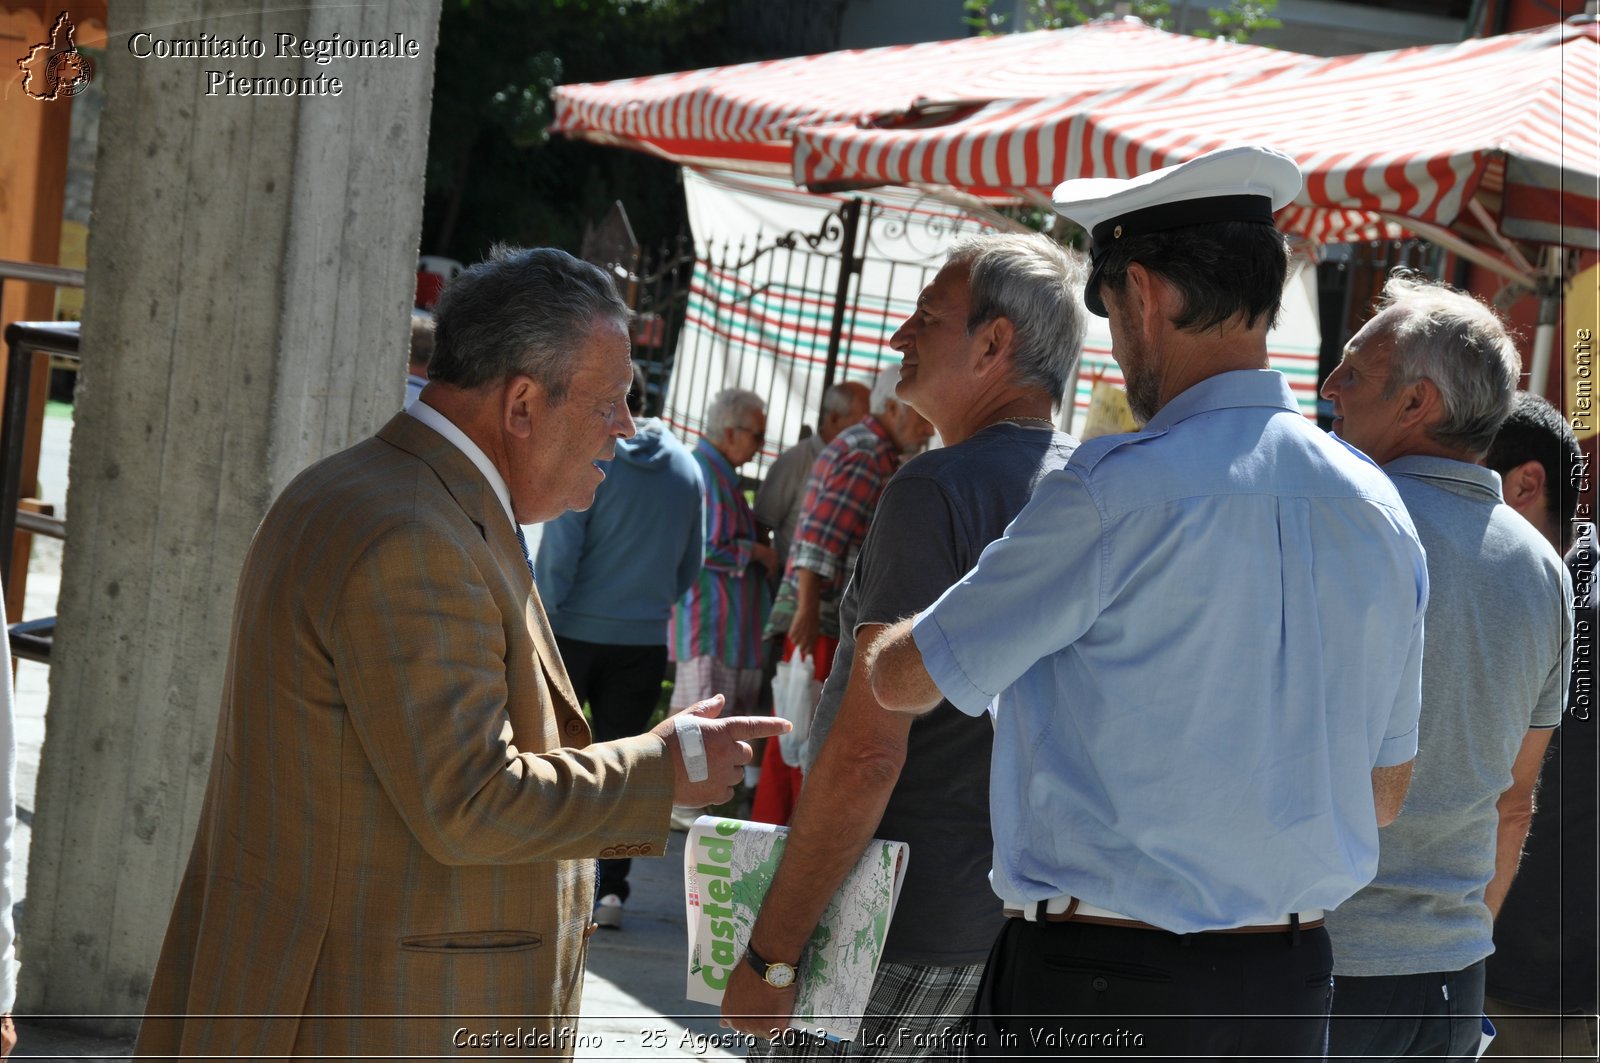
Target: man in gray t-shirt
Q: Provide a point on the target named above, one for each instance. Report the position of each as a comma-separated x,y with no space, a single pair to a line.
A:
991,346
1422,389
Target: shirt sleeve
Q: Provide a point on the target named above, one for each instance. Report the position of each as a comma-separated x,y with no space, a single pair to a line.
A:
1400,737
838,506
1553,695
725,551
1034,591
694,548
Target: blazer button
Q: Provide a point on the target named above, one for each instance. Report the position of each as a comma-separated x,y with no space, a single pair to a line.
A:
590,929
646,850
575,728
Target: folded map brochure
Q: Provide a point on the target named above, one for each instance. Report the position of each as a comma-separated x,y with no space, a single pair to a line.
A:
728,866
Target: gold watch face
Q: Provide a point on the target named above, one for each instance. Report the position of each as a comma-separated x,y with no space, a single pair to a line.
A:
779,975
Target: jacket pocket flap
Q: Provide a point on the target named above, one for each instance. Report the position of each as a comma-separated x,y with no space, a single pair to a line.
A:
473,941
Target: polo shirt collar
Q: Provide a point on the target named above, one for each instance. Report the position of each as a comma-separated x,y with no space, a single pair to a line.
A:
1459,477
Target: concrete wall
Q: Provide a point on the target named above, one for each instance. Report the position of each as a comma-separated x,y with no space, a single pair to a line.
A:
250,274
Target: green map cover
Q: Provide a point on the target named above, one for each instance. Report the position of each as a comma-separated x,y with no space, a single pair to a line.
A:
728,866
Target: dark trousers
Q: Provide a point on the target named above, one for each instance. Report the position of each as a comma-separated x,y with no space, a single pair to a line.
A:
1088,990
1438,1015
622,685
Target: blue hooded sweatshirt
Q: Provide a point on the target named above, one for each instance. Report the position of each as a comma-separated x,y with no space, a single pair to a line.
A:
610,574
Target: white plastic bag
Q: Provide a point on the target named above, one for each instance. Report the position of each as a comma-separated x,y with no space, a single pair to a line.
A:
795,692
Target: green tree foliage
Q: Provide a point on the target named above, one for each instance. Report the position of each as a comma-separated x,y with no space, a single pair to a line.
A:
493,171
1236,22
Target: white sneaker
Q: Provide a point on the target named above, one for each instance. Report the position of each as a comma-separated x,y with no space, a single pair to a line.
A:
608,913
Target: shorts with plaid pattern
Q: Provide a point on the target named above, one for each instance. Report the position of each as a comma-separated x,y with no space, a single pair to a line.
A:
915,1012
697,678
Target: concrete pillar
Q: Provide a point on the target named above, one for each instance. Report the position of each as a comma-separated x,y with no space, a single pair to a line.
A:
250,273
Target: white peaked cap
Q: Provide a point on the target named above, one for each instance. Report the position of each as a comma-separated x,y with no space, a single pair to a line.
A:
1245,183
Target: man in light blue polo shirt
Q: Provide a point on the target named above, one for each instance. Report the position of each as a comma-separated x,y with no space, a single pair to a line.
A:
1202,646
1422,389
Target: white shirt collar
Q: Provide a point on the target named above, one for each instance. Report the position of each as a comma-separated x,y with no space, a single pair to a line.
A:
462,442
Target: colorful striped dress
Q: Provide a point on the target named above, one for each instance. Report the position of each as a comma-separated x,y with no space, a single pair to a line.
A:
722,613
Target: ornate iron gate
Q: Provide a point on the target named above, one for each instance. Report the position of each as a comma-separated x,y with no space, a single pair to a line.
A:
785,316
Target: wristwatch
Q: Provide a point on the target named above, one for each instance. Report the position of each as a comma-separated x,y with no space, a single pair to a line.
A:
776,975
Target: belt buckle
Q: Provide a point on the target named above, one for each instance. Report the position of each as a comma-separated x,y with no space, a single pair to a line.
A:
1039,911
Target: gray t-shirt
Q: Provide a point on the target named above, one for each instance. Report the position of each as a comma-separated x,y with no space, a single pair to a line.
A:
934,519
1496,655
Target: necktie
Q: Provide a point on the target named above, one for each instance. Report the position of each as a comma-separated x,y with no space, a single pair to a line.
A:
522,541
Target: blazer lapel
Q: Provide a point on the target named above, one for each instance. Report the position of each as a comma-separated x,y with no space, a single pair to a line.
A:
478,501
544,640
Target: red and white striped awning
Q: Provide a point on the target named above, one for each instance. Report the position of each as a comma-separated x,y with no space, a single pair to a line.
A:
1499,133
743,117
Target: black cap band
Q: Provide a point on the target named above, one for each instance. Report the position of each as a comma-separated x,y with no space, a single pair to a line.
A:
1163,217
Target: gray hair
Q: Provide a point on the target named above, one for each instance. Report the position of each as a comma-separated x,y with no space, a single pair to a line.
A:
1458,343
1037,285
520,311
837,400
729,408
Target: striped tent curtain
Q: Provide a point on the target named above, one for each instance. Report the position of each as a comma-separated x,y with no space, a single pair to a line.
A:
743,117
1498,134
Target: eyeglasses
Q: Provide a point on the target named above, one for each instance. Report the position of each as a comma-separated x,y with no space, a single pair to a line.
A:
759,437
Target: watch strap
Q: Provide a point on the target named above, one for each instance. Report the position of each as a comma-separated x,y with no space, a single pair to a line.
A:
759,964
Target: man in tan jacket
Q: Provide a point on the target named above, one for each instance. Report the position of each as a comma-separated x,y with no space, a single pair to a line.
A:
396,853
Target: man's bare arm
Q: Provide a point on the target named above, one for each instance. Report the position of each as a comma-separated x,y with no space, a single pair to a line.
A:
1516,815
840,806
807,622
1389,786
899,681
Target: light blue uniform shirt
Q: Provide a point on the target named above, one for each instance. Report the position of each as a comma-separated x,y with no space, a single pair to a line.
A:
1201,640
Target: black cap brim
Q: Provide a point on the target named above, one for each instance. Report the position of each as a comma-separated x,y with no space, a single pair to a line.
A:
1091,291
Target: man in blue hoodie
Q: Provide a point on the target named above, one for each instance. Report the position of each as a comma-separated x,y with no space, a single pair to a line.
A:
608,576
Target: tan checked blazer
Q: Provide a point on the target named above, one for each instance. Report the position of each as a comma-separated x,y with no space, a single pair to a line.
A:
397,839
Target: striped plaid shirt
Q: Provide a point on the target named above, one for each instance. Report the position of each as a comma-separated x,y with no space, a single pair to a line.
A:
722,613
841,497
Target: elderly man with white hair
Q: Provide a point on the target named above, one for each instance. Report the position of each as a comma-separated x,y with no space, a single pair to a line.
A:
715,632
841,496
1423,388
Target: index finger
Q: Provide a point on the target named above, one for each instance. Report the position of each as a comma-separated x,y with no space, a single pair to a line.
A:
741,727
